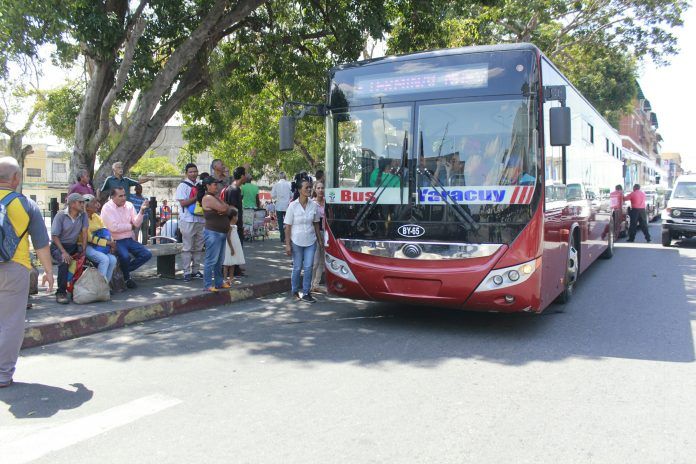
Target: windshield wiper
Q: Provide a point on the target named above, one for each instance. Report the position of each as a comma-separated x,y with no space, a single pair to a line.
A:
460,213
370,204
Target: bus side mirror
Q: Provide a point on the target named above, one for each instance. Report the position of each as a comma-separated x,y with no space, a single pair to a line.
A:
559,122
287,133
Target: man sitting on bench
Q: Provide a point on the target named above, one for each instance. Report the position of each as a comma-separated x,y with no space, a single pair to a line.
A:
120,218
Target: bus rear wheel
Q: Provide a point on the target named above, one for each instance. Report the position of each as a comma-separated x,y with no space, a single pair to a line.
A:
572,273
609,252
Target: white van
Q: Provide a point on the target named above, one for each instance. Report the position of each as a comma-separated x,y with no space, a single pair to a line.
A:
679,218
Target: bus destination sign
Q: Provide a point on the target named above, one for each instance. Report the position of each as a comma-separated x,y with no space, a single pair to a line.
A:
471,77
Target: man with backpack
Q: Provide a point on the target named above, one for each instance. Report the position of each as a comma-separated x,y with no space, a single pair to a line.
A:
191,224
19,219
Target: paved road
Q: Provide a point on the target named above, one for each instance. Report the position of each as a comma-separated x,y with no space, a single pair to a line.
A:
610,380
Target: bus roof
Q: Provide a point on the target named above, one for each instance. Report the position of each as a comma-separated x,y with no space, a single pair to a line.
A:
440,52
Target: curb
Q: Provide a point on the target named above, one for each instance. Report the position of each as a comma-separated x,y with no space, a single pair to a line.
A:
86,325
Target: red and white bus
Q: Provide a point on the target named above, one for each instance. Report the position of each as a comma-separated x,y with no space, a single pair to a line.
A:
443,187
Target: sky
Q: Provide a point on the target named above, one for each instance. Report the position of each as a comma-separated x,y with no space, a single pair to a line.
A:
672,94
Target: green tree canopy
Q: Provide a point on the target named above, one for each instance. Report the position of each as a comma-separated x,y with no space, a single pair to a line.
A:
238,116
159,53
153,164
597,45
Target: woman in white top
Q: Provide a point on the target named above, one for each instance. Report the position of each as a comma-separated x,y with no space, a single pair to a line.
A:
302,236
318,268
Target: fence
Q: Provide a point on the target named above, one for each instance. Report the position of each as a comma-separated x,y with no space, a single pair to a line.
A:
155,211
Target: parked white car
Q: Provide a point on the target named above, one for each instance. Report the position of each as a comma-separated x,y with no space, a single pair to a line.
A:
679,218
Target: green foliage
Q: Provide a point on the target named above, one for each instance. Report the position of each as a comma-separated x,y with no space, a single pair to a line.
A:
26,26
61,110
282,50
596,45
283,56
606,77
153,163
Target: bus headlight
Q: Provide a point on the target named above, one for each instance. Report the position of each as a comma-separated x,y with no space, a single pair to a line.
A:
339,267
506,277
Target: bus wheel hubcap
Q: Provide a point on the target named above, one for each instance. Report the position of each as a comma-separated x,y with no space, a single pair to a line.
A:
572,266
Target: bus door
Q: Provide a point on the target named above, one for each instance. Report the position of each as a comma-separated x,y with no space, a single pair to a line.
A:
556,216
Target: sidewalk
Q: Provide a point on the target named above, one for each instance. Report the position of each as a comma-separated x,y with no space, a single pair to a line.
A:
267,268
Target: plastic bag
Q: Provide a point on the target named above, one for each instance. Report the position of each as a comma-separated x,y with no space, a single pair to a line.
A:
91,287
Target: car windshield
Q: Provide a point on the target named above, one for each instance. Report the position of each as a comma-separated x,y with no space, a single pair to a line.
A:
685,190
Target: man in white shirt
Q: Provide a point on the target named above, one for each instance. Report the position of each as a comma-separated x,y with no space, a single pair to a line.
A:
281,194
190,225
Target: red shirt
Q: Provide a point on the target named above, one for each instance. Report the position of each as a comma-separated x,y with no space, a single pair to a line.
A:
637,198
81,189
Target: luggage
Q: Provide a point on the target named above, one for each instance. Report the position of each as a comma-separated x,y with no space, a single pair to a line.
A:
91,287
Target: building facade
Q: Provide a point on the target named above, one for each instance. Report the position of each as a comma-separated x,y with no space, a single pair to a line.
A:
641,145
671,164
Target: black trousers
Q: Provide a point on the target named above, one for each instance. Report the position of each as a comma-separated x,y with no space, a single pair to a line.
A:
71,248
639,218
281,224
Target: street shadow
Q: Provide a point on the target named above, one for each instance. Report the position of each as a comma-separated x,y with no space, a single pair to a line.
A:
639,305
35,400
685,243
265,262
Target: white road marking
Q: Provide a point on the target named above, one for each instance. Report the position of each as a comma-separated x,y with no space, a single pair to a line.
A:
56,438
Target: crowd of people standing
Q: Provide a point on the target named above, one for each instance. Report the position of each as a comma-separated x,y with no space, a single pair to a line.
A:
102,227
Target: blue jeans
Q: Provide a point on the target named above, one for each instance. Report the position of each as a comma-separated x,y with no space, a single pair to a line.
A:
302,259
105,262
214,256
126,247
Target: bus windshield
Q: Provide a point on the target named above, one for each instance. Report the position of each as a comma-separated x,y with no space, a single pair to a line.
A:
480,143
371,146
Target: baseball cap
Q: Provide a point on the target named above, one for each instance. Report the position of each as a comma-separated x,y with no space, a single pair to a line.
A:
88,197
74,197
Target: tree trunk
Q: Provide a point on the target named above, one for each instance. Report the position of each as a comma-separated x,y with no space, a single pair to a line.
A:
18,152
141,133
308,156
85,150
151,113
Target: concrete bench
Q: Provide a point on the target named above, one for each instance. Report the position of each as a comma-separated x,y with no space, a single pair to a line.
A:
166,255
